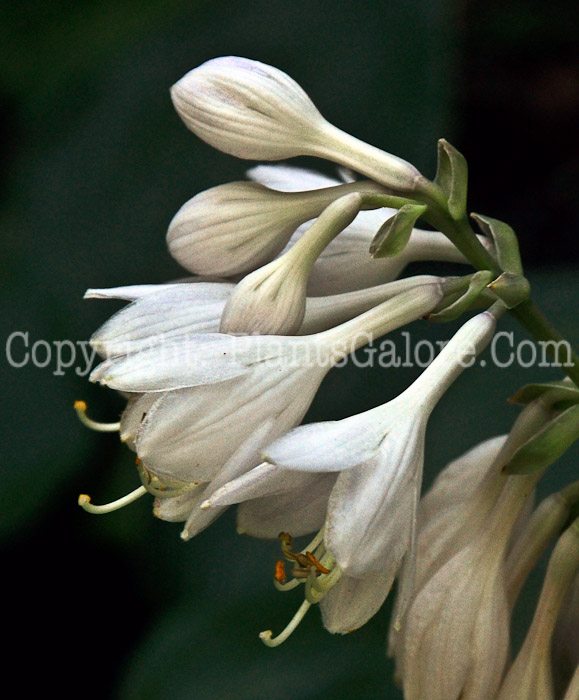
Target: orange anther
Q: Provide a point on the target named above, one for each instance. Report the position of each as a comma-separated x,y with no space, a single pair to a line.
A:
316,563
279,575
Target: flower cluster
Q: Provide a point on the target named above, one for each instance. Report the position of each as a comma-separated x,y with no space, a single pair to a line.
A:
220,369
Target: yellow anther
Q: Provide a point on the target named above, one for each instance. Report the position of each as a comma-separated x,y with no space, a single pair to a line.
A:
80,408
84,502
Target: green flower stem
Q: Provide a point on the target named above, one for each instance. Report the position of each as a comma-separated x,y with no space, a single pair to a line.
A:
527,313
534,322
464,238
379,200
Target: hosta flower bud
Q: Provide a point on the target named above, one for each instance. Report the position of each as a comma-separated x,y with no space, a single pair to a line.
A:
251,110
531,677
456,635
235,228
272,300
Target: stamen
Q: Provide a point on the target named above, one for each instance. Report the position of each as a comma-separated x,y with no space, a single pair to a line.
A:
80,408
163,489
266,637
290,585
84,502
322,569
279,575
318,586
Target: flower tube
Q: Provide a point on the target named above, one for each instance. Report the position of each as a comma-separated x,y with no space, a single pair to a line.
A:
251,110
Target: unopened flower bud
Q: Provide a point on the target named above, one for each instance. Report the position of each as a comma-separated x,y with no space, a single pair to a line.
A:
251,110
272,300
234,228
531,677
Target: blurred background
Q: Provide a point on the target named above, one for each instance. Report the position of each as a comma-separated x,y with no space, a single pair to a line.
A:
95,163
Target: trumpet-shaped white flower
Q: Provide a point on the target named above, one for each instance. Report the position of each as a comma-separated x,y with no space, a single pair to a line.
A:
530,677
252,110
457,508
198,398
235,228
272,300
456,634
379,456
359,479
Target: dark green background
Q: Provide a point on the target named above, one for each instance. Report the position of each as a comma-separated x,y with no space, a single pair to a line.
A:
95,164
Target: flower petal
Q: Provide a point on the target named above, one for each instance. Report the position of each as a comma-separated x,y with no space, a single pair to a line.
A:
300,511
164,314
372,506
290,178
353,601
134,414
128,293
263,480
460,478
240,461
329,446
189,434
178,509
184,362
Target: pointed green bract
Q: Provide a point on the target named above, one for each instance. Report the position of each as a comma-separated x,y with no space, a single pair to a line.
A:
395,233
478,282
505,240
511,289
452,178
550,392
547,445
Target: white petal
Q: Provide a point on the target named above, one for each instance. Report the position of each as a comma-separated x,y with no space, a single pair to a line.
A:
165,314
300,511
328,447
240,461
128,293
372,506
264,480
184,362
189,434
178,509
290,178
134,414
460,478
353,601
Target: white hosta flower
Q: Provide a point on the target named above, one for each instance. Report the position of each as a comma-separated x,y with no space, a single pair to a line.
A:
345,264
457,508
272,300
456,636
199,397
358,481
465,492
164,312
236,227
530,677
251,110
379,455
